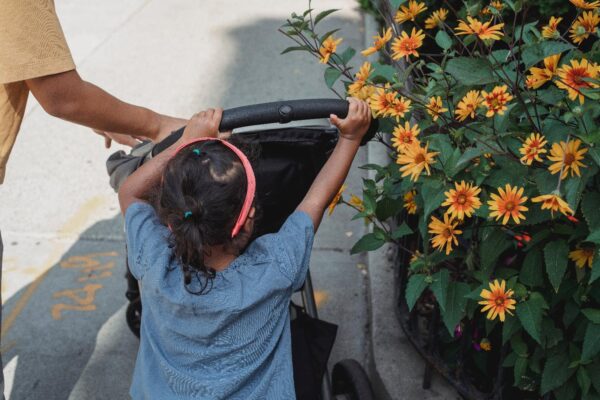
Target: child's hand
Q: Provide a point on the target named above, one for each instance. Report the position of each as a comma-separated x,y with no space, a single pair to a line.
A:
356,123
203,124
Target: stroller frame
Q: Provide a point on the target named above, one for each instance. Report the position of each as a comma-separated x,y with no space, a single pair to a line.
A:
349,381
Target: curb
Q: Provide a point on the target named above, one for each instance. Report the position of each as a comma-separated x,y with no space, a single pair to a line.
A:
395,368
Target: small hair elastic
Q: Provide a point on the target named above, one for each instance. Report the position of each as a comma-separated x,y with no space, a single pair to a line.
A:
251,190
196,152
187,214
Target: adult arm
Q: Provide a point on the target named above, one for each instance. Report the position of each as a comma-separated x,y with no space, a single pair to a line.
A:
334,172
67,96
139,183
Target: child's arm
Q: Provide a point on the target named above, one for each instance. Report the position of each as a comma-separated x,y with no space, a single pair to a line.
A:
137,185
334,172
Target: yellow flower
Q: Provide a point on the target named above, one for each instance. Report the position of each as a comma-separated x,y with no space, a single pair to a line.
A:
337,199
360,88
571,78
409,13
468,105
382,102
508,204
496,101
409,202
553,202
405,45
584,5
539,76
566,156
584,26
462,200
414,159
357,203
485,345
498,5
583,255
533,148
435,107
378,42
400,106
436,19
445,233
482,30
550,31
328,47
405,135
498,301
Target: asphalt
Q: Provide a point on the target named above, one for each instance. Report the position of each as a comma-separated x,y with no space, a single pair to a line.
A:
63,332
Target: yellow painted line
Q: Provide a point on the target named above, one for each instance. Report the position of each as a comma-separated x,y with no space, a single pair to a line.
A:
72,226
7,347
321,297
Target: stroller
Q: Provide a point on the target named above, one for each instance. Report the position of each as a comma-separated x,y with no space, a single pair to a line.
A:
290,159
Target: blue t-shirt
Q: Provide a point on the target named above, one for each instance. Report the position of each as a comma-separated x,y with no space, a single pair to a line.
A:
230,343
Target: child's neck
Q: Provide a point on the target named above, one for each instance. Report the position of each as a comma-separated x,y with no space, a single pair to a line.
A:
218,258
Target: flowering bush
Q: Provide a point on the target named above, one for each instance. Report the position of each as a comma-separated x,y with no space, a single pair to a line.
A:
491,121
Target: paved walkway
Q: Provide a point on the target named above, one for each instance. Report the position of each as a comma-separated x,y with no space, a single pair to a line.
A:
64,334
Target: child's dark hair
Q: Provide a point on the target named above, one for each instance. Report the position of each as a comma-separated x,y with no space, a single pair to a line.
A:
200,198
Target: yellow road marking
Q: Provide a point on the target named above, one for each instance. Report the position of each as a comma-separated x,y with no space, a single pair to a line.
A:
72,226
321,297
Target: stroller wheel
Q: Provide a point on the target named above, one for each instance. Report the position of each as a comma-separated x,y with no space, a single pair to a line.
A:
350,381
133,315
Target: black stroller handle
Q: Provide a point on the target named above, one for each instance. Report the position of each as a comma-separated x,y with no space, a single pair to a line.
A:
278,111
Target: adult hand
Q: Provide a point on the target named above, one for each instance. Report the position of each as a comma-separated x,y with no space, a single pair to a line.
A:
126,140
203,124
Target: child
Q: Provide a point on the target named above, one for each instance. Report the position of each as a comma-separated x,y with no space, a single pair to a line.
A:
216,323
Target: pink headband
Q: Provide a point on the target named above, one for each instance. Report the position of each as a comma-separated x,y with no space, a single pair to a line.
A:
249,176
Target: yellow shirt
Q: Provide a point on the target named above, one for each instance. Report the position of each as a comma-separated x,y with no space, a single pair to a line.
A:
32,44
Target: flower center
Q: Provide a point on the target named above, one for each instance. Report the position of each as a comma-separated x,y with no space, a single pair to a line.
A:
406,139
461,199
510,205
499,301
419,158
589,252
446,233
569,158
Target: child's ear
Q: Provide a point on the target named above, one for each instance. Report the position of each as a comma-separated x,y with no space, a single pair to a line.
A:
249,224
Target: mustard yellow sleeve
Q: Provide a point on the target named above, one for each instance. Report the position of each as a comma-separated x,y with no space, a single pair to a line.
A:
32,42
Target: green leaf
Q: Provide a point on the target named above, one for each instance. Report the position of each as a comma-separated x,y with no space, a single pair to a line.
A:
397,3
327,34
295,48
465,159
592,314
589,206
388,207
331,76
556,372
432,192
555,255
591,342
594,152
520,369
493,243
439,287
584,381
369,242
534,53
456,304
594,370
401,231
594,237
530,314
347,55
532,271
470,71
509,328
443,40
414,288
383,72
595,267
323,14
